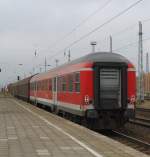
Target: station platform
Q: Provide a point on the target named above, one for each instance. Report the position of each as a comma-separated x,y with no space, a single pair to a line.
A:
28,131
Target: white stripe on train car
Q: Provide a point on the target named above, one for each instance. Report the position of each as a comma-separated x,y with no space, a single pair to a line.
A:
86,69
69,105
45,100
64,104
32,98
131,69
93,152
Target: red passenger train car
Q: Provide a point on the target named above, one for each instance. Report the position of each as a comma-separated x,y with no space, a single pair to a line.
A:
99,88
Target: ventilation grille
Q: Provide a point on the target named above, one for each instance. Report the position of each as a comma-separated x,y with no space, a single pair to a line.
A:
110,88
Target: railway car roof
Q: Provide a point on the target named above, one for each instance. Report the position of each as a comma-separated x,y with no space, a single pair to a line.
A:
23,81
101,57
90,58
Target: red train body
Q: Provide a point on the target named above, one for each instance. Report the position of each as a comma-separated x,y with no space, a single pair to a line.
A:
98,88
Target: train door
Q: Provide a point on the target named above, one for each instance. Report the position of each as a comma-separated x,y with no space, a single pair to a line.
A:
54,90
110,86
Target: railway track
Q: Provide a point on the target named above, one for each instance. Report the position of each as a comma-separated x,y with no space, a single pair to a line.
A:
143,109
134,139
140,121
130,141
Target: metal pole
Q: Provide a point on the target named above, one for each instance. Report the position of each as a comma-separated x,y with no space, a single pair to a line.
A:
40,69
45,64
140,66
142,71
147,62
69,56
110,43
34,61
93,44
139,72
56,60
93,48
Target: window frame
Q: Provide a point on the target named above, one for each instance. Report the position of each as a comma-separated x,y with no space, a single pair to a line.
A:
77,82
70,83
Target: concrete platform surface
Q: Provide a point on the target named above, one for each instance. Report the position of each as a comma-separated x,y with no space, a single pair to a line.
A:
27,131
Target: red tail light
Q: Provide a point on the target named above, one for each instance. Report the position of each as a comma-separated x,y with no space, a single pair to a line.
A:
132,99
86,99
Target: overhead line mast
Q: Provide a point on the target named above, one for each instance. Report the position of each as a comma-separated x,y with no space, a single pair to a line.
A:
110,38
147,62
140,66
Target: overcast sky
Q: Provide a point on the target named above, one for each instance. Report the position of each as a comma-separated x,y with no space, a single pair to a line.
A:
29,25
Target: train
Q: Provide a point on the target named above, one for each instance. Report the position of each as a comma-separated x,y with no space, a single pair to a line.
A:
98,90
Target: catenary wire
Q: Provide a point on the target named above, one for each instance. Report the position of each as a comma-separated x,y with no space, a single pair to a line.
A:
130,44
129,27
99,27
81,23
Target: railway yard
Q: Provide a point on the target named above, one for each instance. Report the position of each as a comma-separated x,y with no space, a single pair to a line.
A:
28,131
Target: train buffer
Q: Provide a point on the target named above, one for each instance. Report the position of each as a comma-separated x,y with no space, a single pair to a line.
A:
28,131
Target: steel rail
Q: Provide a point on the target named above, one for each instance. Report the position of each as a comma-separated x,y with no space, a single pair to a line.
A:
140,123
132,138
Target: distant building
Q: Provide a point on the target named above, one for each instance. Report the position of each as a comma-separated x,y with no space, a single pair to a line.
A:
146,84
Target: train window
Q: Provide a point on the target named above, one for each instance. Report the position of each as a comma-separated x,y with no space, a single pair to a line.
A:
42,85
54,84
77,82
32,86
77,77
50,85
63,84
59,84
38,85
45,84
70,83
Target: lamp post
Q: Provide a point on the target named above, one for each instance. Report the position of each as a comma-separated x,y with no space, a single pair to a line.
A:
93,43
56,61
18,77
